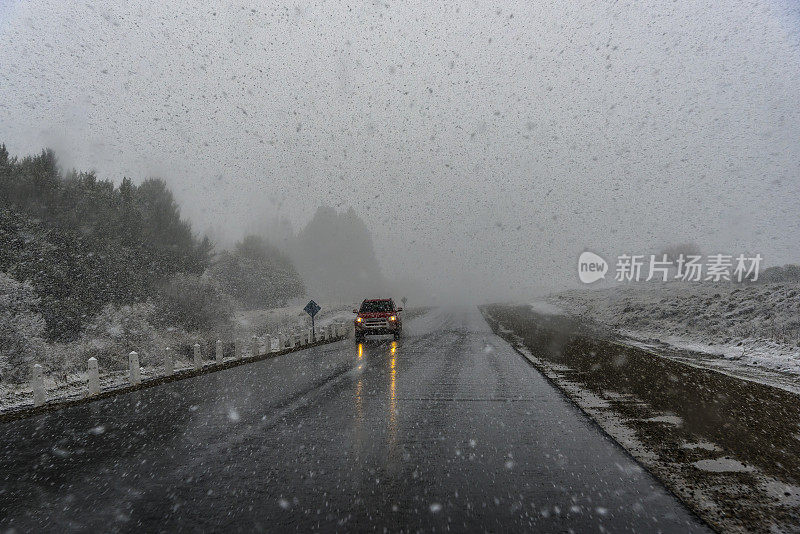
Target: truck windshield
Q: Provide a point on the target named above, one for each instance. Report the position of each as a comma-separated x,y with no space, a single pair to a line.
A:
374,306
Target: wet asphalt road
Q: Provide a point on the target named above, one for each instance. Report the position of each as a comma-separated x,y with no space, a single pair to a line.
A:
447,428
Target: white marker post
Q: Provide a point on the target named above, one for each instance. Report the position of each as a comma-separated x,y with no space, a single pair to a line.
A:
94,376
135,375
198,358
169,362
274,344
38,386
219,351
255,348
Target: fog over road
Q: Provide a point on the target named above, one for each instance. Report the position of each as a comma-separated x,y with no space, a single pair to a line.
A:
448,427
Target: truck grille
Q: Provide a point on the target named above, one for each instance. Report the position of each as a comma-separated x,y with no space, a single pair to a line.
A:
376,323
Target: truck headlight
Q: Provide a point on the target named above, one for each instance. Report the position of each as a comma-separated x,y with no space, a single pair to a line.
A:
358,319
392,318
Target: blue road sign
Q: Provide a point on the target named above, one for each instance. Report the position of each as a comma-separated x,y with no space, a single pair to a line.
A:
312,308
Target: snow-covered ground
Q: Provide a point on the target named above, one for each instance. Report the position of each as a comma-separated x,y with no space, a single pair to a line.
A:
288,318
752,325
264,323
546,308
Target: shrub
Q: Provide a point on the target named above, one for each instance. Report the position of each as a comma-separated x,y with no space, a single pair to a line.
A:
116,331
21,330
195,303
257,274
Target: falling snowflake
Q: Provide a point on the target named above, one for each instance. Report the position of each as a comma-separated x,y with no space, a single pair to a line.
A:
233,415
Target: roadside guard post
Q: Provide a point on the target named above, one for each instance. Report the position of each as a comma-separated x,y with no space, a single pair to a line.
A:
312,308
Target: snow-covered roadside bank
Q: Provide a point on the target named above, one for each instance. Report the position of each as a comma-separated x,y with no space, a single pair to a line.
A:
262,326
545,308
18,402
759,361
752,331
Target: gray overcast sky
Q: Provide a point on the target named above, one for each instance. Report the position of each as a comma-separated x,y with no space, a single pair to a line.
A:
485,144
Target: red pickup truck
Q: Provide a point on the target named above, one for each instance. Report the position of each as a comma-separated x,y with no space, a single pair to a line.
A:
378,316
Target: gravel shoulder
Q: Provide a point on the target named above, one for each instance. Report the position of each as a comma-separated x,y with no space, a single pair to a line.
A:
729,448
